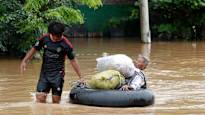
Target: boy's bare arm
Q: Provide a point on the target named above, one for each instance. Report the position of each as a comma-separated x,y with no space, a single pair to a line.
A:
76,67
26,59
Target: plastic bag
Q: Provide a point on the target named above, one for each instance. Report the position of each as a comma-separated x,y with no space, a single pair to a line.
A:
109,79
118,62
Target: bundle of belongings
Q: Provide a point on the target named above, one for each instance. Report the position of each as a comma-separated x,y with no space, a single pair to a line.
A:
112,71
109,79
118,62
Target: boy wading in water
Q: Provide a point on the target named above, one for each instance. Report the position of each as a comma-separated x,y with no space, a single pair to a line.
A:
55,48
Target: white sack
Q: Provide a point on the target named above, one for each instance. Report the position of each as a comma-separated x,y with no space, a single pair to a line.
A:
119,62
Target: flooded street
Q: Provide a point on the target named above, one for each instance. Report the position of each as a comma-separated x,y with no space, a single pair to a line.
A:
176,74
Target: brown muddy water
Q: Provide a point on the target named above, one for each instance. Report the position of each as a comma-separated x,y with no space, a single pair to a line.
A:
176,74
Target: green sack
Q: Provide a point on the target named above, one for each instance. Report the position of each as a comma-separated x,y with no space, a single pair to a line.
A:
109,79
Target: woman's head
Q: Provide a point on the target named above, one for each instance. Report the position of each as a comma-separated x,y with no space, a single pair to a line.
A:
141,62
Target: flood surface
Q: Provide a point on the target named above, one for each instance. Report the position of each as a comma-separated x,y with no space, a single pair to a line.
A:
176,74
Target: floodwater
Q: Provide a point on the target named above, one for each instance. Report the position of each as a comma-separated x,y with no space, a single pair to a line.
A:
176,75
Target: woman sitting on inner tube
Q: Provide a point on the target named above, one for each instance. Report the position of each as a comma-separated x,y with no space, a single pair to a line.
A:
138,80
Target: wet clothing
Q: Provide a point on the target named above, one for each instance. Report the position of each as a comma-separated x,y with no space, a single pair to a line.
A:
51,81
136,81
52,71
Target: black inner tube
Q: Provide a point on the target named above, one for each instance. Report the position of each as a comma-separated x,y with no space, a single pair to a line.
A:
111,98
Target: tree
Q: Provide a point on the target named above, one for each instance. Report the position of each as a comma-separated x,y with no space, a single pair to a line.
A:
180,19
10,15
21,21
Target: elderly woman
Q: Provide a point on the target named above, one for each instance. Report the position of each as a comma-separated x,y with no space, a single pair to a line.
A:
138,79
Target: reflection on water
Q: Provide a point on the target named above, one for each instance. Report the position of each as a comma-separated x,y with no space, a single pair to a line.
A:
146,50
176,75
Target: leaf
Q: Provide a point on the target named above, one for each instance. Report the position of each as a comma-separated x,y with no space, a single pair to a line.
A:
34,5
65,15
90,3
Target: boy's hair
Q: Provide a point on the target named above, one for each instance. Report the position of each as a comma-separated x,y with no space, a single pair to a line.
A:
56,28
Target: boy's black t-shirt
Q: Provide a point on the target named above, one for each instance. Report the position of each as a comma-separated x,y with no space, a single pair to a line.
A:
54,53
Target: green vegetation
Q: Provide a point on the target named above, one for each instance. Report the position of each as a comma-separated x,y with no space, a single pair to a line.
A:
21,21
177,19
169,19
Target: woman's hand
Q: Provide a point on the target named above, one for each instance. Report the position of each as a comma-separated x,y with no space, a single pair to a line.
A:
126,88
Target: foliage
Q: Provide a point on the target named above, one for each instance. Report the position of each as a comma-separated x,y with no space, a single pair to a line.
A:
21,21
65,15
91,3
134,14
10,16
177,18
115,22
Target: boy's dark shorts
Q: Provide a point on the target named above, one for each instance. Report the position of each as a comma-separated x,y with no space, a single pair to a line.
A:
52,81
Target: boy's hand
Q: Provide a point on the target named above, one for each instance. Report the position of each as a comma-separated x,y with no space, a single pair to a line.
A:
82,80
23,67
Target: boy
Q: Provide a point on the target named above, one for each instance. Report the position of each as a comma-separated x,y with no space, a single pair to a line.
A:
55,48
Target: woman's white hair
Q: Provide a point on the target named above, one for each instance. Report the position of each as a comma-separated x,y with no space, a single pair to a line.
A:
145,60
